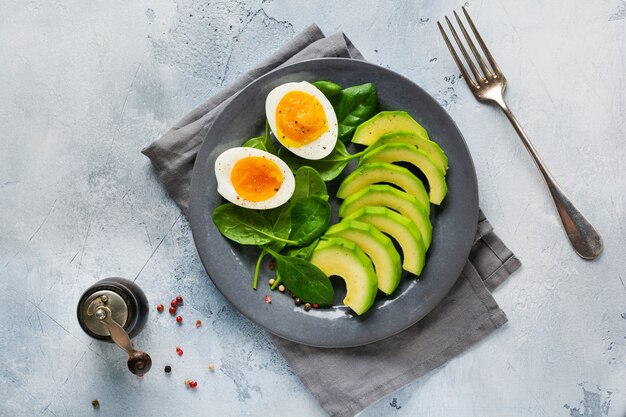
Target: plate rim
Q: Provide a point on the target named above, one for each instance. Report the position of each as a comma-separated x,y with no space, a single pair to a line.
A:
204,151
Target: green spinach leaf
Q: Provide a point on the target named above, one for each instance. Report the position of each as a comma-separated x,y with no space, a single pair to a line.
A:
255,279
277,281
304,252
245,226
279,219
353,106
310,218
328,167
304,280
329,89
280,222
263,143
308,183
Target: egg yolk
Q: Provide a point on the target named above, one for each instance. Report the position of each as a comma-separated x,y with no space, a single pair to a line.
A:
256,178
300,119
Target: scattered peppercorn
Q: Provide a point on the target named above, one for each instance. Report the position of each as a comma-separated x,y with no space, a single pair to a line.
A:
315,306
297,301
268,300
174,303
179,320
187,383
168,369
281,288
272,264
307,306
193,384
172,310
179,299
160,308
271,281
211,367
179,351
198,323
95,404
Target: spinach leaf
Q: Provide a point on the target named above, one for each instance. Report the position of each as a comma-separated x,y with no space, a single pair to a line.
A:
255,279
328,167
277,281
308,183
353,106
263,143
256,142
329,89
280,222
304,280
310,218
245,226
304,252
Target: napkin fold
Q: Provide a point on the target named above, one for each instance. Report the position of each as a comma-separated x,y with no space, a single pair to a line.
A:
347,380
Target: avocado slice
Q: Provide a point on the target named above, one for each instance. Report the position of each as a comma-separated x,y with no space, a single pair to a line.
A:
403,230
387,196
383,172
404,152
385,122
340,257
432,149
377,246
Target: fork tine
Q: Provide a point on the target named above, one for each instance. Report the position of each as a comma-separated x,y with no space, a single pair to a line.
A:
492,61
458,61
479,58
464,52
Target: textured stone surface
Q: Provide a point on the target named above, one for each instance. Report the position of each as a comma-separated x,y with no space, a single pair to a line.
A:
86,85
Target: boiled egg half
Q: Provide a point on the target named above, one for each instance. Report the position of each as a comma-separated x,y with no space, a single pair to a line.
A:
253,178
302,119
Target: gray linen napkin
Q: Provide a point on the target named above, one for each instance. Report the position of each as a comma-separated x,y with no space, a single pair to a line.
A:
345,381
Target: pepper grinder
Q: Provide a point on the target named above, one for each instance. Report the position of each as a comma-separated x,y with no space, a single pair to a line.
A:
116,310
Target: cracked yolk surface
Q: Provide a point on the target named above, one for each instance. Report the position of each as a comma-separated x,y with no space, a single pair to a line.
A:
300,119
255,178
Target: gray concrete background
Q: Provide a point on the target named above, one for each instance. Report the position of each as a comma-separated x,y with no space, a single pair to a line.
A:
84,86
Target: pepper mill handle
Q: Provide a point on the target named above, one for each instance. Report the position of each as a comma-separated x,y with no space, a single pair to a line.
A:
138,362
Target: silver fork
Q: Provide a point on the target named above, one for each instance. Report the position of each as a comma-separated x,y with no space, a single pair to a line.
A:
488,84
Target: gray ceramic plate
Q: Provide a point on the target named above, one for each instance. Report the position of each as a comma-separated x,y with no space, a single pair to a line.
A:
231,266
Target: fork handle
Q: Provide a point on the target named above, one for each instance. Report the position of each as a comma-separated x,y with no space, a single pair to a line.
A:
584,238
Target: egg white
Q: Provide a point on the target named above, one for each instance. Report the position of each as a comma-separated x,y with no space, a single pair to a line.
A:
323,145
224,165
